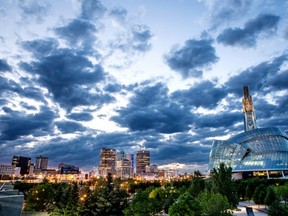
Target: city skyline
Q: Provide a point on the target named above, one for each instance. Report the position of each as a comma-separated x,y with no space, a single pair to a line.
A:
166,76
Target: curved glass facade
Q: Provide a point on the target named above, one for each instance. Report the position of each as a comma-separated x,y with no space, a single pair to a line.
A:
262,149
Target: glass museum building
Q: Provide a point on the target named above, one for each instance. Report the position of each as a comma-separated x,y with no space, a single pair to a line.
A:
257,152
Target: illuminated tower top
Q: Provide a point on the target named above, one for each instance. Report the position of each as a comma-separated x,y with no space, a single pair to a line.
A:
248,111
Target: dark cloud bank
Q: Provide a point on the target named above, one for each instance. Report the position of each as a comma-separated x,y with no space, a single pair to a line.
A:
168,123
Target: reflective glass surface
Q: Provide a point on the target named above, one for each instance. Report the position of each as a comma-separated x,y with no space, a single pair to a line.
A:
259,149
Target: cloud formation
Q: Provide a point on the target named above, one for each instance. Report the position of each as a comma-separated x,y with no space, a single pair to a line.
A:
4,66
151,109
247,37
192,57
70,77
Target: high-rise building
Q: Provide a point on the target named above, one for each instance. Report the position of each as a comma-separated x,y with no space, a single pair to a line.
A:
107,162
41,163
23,163
130,157
124,169
124,165
248,111
142,160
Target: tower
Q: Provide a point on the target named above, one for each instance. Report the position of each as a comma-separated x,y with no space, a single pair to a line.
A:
22,162
41,162
107,162
248,111
142,160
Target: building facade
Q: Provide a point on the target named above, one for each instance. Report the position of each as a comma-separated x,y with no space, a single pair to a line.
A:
107,163
6,170
41,163
142,160
255,152
22,162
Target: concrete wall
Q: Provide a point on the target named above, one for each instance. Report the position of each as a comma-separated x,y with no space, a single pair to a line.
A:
11,205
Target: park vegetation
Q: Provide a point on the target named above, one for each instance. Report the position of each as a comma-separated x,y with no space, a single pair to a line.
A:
217,195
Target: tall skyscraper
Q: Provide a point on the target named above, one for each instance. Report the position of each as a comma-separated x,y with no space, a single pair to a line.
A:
142,160
248,111
41,163
107,162
22,162
124,165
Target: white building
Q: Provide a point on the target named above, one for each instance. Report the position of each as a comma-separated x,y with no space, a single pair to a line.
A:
6,170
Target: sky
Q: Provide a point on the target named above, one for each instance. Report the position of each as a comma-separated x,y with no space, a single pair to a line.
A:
161,75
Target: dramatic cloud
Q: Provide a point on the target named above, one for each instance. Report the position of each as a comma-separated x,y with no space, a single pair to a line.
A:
203,94
194,55
80,116
78,33
4,66
41,47
151,109
70,77
260,78
77,76
14,124
247,37
69,127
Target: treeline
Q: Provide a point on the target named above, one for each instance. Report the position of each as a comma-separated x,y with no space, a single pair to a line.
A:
217,195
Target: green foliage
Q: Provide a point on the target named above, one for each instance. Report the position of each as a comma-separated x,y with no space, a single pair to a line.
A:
142,205
270,196
110,201
249,193
282,192
278,209
260,194
186,205
222,183
197,184
40,197
214,204
66,200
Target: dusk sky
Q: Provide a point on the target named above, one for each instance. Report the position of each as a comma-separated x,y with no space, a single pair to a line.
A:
161,75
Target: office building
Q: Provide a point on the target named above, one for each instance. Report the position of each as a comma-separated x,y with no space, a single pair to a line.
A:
124,169
6,171
142,160
124,165
107,163
68,169
41,163
22,162
261,152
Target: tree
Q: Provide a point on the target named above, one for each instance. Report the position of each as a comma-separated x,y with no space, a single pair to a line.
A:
142,205
282,192
40,197
66,200
222,183
109,201
214,204
270,196
248,193
259,194
278,209
198,184
186,205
